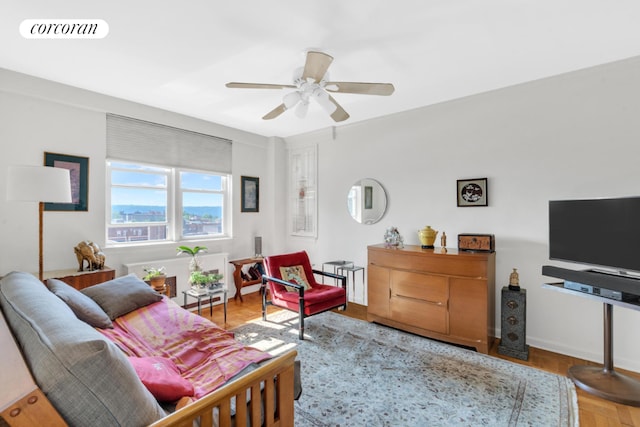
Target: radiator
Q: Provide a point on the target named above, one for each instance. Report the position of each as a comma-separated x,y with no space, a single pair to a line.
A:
179,267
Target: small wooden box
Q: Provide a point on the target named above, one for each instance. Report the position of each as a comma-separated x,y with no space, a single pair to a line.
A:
477,242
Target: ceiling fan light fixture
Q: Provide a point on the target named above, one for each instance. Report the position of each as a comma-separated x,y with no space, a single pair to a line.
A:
323,99
301,110
291,99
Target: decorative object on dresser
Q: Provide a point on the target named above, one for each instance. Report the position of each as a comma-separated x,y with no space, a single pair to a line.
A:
38,184
427,237
392,238
447,296
472,192
81,280
90,252
513,331
238,280
477,242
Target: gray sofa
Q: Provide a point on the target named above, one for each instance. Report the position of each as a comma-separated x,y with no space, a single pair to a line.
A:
89,380
84,375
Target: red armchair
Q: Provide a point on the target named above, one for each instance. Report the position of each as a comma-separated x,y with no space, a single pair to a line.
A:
292,286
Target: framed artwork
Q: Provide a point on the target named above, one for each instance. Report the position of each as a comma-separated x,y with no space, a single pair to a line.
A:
79,173
303,178
250,193
472,192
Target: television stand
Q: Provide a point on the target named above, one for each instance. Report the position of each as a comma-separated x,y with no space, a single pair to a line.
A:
604,381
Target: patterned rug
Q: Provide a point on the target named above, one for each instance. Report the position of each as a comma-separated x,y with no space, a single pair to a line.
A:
356,373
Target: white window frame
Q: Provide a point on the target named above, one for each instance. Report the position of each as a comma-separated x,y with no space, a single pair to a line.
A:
174,206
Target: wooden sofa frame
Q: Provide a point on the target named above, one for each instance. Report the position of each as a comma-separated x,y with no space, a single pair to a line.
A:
23,404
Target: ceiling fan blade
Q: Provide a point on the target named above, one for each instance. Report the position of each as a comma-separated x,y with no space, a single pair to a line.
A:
316,65
275,112
384,89
339,115
257,86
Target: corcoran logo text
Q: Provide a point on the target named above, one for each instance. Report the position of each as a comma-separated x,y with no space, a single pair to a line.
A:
64,28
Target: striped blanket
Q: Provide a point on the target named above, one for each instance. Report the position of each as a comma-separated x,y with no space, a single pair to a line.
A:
205,354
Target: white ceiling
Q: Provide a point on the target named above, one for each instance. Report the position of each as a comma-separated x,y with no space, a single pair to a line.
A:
179,55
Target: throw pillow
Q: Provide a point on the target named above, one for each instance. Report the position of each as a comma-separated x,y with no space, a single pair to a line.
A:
82,306
295,274
162,378
120,296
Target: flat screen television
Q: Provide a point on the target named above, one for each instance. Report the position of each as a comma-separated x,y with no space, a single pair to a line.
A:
598,232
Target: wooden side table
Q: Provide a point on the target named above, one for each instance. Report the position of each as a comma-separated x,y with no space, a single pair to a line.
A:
81,279
237,275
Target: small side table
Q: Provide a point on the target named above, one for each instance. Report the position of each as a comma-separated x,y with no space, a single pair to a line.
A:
352,269
337,264
237,275
514,321
221,291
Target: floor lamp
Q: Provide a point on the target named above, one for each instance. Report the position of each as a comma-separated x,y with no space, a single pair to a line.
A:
39,184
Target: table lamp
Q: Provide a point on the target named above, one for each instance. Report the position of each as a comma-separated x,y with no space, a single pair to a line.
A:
39,184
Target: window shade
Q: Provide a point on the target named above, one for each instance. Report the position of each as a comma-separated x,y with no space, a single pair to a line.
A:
146,142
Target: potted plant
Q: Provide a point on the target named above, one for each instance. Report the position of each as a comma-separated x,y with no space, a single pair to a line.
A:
155,276
202,280
193,264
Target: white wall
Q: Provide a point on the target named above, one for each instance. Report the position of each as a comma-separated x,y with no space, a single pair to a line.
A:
570,136
38,115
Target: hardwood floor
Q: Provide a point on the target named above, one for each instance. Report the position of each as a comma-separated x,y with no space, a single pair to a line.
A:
594,411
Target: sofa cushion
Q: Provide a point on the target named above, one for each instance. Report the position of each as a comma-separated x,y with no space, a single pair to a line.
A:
120,296
84,375
162,378
84,307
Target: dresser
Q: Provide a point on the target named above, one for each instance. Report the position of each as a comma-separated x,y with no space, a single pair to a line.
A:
448,296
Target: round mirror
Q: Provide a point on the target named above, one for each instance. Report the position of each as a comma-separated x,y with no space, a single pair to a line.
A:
367,201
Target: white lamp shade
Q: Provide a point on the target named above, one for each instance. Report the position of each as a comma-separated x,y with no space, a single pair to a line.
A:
38,184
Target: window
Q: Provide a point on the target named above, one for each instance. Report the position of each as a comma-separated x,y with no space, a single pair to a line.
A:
148,203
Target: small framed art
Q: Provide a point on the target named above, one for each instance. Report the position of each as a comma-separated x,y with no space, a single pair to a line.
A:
79,173
250,193
472,192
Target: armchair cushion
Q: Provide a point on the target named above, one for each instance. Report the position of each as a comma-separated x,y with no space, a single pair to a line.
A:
316,300
294,274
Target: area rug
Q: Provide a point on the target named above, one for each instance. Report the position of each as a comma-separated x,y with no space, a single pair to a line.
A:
356,373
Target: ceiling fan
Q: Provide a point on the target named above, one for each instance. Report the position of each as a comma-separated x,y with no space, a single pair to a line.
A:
312,82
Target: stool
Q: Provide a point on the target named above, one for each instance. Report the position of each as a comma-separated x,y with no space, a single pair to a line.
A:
352,268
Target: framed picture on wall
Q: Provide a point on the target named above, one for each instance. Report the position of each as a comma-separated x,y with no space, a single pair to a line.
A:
250,194
79,173
472,192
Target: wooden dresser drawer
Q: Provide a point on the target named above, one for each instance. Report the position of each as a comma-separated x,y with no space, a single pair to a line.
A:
425,315
424,287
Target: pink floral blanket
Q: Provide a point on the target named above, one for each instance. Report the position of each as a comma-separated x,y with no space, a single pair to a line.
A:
205,354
